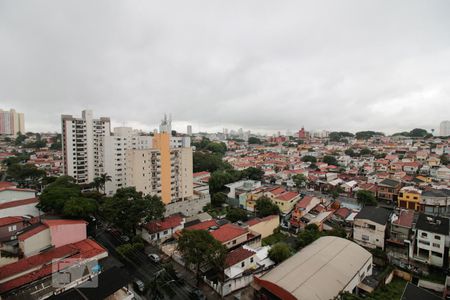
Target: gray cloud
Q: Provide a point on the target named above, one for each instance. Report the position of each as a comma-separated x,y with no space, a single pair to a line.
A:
263,65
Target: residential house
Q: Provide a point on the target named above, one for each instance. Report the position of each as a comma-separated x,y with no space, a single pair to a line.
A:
388,189
399,244
264,226
369,227
409,197
303,207
158,231
431,243
17,202
232,236
286,201
435,202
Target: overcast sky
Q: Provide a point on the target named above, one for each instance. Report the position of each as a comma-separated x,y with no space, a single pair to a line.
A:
260,65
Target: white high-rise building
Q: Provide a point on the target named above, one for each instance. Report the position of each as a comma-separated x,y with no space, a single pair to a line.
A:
444,128
115,148
189,130
82,146
11,122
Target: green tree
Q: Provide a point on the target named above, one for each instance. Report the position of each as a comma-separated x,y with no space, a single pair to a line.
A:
218,199
254,141
418,132
444,159
130,251
365,151
55,195
366,198
307,236
25,174
79,207
100,182
127,208
236,214
331,160
300,180
309,158
365,135
219,179
20,139
279,252
253,173
198,248
205,161
350,152
265,207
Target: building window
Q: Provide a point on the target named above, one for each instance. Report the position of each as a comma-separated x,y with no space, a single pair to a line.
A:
12,228
436,245
365,237
251,259
436,253
372,227
243,264
234,242
437,237
423,234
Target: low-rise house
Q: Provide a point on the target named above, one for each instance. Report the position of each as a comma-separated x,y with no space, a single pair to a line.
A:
232,236
264,226
239,190
10,226
369,227
158,231
409,197
17,202
432,240
388,189
435,202
286,201
401,237
303,207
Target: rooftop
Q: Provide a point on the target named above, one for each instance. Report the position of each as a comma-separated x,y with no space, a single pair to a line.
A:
228,232
10,220
161,225
329,261
375,214
237,256
433,224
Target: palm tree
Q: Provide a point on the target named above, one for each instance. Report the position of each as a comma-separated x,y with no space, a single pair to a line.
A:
100,182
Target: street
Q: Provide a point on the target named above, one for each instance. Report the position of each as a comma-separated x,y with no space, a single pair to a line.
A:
143,268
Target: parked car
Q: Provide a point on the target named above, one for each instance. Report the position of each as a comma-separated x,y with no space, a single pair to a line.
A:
154,257
139,285
125,238
197,294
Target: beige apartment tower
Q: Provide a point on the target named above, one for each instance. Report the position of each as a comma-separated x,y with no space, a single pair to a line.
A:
11,122
161,170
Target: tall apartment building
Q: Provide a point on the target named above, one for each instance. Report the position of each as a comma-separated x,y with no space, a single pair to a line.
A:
82,146
444,128
161,170
11,122
115,147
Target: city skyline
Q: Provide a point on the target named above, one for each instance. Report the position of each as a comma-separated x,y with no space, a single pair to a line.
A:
262,67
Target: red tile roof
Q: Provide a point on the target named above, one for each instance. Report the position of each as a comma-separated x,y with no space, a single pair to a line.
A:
16,189
204,173
343,212
167,223
237,256
304,202
255,221
10,220
81,250
405,218
277,190
57,222
32,232
4,184
18,203
288,196
228,232
203,225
